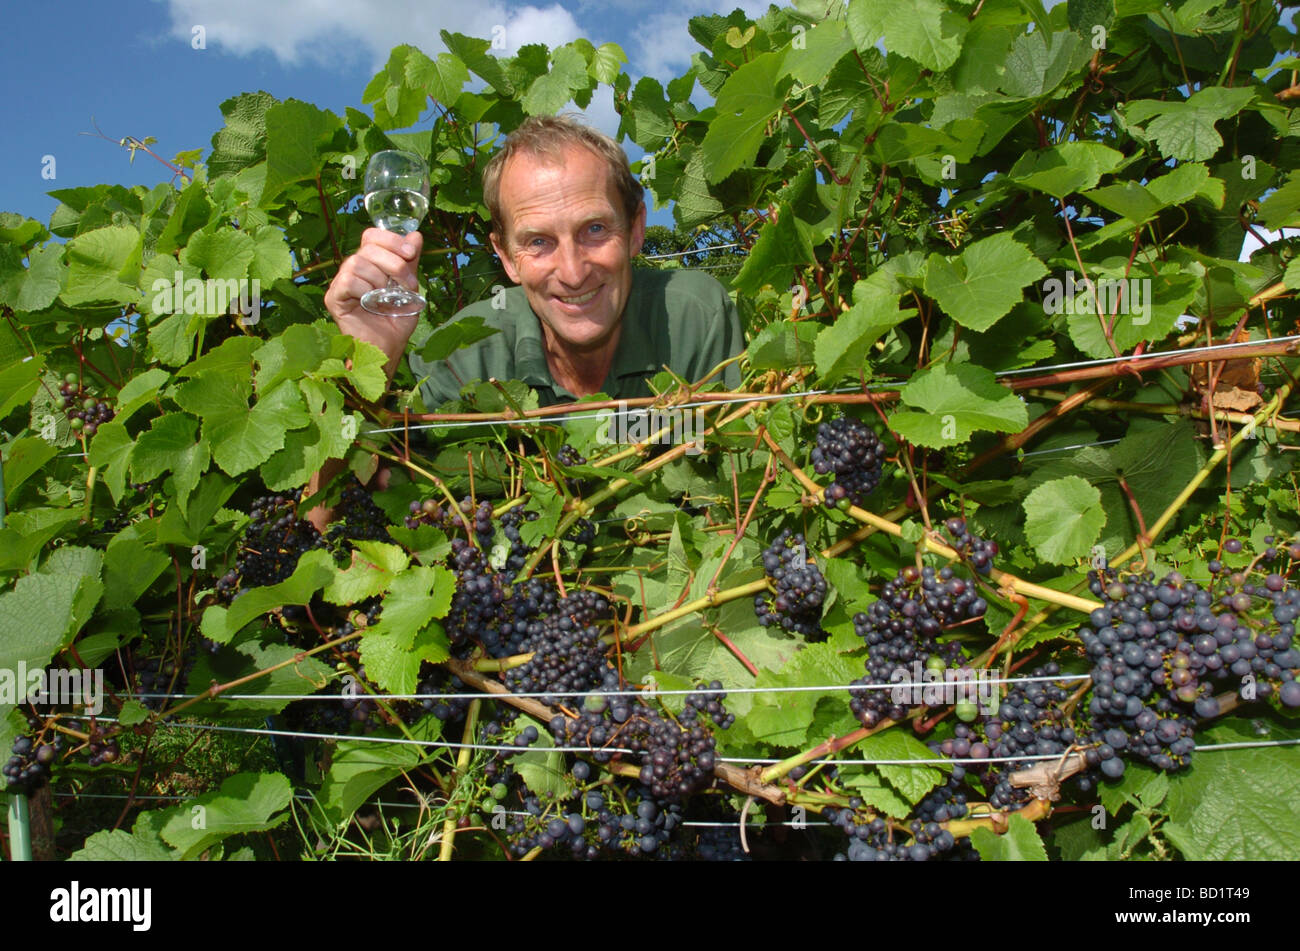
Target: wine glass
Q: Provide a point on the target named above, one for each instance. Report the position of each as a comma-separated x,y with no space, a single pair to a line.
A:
397,197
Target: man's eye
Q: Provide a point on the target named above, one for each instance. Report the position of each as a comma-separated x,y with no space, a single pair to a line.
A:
596,228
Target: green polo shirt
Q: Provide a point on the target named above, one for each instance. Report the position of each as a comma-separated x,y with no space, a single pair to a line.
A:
683,320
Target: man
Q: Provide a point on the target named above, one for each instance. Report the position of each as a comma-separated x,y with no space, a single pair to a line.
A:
567,219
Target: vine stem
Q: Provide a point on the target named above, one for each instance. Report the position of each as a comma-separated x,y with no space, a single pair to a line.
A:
833,745
215,690
462,765
930,544
1172,409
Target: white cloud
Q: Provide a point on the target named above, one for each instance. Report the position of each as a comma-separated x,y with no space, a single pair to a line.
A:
326,30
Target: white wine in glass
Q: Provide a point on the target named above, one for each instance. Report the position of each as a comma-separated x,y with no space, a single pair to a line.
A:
397,198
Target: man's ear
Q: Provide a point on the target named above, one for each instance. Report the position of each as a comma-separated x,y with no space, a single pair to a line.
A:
506,262
637,236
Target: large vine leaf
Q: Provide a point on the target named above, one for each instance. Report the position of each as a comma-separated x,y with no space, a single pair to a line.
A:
984,282
1063,519
951,401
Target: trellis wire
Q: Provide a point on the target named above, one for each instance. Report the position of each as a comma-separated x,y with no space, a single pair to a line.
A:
305,797
767,397
759,761
645,694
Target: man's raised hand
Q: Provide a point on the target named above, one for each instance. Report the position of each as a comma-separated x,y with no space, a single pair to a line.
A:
382,254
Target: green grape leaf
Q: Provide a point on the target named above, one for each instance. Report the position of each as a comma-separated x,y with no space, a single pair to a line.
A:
549,92
24,458
782,247
1063,519
297,351
1066,168
372,571
315,569
37,617
393,661
843,348
822,47
982,284
415,598
19,383
454,335
118,845
1185,130
751,96
474,53
297,134
950,401
102,266
130,567
782,344
245,803
1140,308
298,677
441,78
1278,210
782,718
650,121
922,30
170,446
1020,843
1037,63
910,782
44,279
874,792
110,451
1235,805
242,141
139,391
222,255
541,767
358,770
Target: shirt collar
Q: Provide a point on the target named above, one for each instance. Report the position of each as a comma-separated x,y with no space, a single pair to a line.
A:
636,352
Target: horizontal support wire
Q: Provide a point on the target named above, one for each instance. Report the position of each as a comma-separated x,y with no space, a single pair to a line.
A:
750,761
771,397
767,397
644,694
305,797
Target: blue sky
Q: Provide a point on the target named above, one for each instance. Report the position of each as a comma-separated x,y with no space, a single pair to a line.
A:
131,67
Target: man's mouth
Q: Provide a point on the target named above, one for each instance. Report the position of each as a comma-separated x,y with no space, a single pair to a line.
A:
581,298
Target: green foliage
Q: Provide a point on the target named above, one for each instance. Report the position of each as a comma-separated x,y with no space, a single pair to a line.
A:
890,191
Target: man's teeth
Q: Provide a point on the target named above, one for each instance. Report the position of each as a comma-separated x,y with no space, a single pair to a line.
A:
582,299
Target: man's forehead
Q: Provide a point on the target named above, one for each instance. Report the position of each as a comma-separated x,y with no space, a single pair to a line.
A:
529,182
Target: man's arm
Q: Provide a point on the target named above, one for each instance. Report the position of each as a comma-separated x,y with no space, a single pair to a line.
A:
382,254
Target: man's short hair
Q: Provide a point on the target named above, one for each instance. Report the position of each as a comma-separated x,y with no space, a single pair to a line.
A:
548,137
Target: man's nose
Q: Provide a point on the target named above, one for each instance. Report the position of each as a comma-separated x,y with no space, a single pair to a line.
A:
573,266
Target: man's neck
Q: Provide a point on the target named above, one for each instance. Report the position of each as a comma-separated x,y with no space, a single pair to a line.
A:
581,373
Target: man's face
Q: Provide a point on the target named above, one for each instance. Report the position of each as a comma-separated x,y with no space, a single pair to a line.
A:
566,241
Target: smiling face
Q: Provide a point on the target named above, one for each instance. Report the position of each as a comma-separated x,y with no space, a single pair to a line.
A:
565,239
